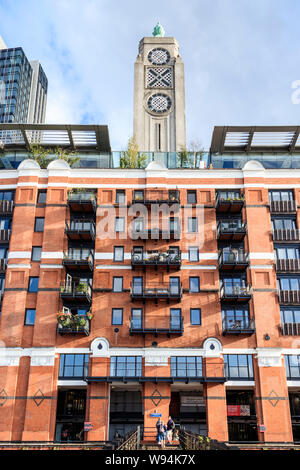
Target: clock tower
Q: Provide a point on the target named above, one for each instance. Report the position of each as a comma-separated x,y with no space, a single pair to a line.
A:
159,95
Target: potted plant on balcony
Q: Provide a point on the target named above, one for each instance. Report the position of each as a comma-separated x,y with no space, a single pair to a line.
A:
89,315
81,287
65,319
79,321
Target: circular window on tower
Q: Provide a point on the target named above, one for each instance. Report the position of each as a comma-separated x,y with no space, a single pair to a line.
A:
159,56
159,103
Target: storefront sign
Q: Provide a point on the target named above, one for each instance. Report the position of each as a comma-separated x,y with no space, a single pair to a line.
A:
87,426
155,415
238,410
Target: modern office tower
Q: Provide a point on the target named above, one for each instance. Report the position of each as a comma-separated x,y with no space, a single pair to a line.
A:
23,88
130,293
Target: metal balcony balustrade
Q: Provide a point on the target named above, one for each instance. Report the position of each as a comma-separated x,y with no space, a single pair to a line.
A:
3,265
156,233
234,260
235,293
287,265
155,259
6,207
289,297
76,292
79,260
286,235
5,235
154,324
229,204
74,325
290,329
212,372
283,207
82,201
156,291
238,325
156,196
231,230
80,229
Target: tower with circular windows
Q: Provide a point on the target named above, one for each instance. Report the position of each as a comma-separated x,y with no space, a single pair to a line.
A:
159,96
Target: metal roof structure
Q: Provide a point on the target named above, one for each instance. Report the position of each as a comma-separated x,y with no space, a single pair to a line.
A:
255,139
74,137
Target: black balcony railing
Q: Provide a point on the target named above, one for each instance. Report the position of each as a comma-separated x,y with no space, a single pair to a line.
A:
235,260
229,204
81,292
80,229
82,201
238,325
231,230
289,297
3,265
79,260
6,207
290,329
156,291
286,235
163,258
236,293
73,325
288,265
284,207
156,196
154,324
4,235
156,233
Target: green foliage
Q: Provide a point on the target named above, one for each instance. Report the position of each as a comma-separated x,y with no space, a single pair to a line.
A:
190,158
132,158
41,155
67,156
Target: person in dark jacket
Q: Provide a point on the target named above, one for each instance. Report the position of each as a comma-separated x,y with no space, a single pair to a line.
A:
170,428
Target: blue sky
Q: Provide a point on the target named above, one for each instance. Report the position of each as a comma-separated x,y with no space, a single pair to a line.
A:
241,58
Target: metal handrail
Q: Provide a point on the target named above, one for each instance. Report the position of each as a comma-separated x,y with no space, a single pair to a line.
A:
193,441
82,197
156,289
153,322
233,257
237,290
162,257
232,225
131,440
80,225
238,323
157,196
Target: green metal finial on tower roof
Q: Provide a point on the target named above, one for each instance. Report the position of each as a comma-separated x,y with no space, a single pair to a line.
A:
158,31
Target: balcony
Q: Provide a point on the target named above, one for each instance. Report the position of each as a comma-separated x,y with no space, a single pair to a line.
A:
79,260
213,372
80,293
239,325
290,329
288,265
153,324
156,291
82,202
6,207
156,196
289,297
3,265
229,205
4,235
80,230
286,235
236,293
235,260
73,324
283,207
160,234
231,230
168,259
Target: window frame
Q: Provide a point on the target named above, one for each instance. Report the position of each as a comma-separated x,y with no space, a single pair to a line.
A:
36,223
29,284
191,317
113,321
32,252
26,323
119,248
115,278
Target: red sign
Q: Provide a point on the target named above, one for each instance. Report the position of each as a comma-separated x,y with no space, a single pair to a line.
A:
88,427
233,410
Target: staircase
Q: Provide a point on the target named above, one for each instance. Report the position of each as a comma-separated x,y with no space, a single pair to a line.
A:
154,446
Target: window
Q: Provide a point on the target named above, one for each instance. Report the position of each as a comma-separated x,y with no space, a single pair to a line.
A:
193,253
285,195
174,224
36,253
120,196
192,224
137,318
238,366
118,284
192,197
72,365
138,195
194,284
137,285
29,316
182,366
119,224
284,223
119,253
225,195
287,252
33,284
5,223
288,283
195,316
42,197
292,364
234,285
117,316
174,283
175,318
290,314
126,366
3,252
235,317
7,195
138,224
39,224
